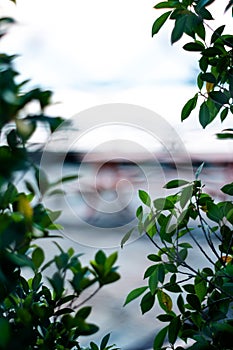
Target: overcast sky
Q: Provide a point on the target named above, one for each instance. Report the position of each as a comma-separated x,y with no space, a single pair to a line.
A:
94,52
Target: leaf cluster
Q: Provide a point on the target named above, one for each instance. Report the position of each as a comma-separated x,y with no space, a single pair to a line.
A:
195,301
42,301
215,79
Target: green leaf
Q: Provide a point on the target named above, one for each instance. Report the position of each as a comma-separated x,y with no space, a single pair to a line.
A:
213,212
165,318
163,204
135,294
139,213
153,281
93,346
194,47
175,183
84,312
159,339
188,107
159,22
104,341
180,304
165,4
154,257
228,189
203,3
219,97
145,198
203,63
5,333
209,77
229,5
179,29
127,236
38,257
217,33
186,195
173,329
200,288
204,115
147,302
194,301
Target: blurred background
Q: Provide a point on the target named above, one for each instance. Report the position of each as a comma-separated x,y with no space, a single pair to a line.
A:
94,53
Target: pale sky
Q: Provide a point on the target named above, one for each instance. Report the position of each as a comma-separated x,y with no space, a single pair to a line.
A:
95,52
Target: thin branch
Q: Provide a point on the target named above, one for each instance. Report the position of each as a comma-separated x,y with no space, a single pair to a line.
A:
89,297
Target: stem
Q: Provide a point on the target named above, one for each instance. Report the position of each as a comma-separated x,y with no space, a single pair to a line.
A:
89,297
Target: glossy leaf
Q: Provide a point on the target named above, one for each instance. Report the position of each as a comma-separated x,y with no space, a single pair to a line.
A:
219,97
173,329
204,115
194,47
179,29
217,34
135,294
145,198
228,189
147,302
175,183
189,107
160,338
160,22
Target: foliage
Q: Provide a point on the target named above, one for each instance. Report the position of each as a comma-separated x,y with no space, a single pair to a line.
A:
196,301
215,80
42,302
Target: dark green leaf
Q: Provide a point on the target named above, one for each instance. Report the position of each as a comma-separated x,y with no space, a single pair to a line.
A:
135,294
84,312
224,113
159,22
229,5
154,257
228,189
36,281
180,304
165,318
189,288
5,333
175,183
203,3
203,63
104,341
213,212
188,107
38,257
209,77
173,329
159,339
194,301
204,115
219,97
165,4
193,46
179,29
217,33
147,302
